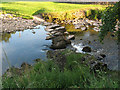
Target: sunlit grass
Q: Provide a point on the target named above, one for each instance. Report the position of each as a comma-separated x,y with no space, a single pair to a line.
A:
30,8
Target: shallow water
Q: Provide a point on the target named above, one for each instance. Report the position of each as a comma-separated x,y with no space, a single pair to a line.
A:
24,46
109,46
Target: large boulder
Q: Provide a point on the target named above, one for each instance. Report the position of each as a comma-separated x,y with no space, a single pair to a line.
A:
59,42
59,45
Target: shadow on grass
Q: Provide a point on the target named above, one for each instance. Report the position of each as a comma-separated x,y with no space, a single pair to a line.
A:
42,10
13,10
78,2
8,2
17,3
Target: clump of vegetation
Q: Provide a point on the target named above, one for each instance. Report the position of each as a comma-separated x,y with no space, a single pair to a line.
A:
94,13
47,74
110,17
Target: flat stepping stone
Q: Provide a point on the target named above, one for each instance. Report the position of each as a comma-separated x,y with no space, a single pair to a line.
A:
49,37
71,37
58,34
49,30
53,26
60,29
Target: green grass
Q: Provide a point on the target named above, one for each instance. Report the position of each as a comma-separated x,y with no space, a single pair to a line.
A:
33,8
47,74
30,8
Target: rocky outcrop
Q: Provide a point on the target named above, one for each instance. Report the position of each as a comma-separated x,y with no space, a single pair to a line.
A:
59,36
85,24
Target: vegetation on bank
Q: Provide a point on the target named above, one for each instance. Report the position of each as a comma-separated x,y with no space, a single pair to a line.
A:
48,74
111,18
51,9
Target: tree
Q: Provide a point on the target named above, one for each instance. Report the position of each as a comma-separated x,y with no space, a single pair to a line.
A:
110,17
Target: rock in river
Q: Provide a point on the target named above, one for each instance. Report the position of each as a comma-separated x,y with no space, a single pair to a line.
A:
59,42
71,37
49,37
53,26
60,29
59,45
49,30
83,28
86,49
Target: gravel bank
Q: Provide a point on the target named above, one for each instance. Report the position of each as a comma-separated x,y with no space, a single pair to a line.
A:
11,24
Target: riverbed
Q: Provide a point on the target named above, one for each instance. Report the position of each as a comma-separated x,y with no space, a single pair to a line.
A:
28,45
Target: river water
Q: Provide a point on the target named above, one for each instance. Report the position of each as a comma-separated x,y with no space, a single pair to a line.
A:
28,45
109,46
24,46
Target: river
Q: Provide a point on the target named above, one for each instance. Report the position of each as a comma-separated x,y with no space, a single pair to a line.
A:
28,45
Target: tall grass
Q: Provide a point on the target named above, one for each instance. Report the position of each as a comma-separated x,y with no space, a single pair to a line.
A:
47,74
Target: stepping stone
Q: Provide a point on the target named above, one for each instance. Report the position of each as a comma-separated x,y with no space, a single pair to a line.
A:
83,28
60,29
71,37
53,26
49,30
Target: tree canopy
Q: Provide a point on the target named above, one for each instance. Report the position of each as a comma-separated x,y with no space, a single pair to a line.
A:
110,18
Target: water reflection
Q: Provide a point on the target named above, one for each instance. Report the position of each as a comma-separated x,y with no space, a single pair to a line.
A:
5,37
24,46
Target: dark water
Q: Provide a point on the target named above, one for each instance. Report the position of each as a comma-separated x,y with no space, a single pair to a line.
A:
24,46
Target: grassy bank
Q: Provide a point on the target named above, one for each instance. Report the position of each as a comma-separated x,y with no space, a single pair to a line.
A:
61,11
49,75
